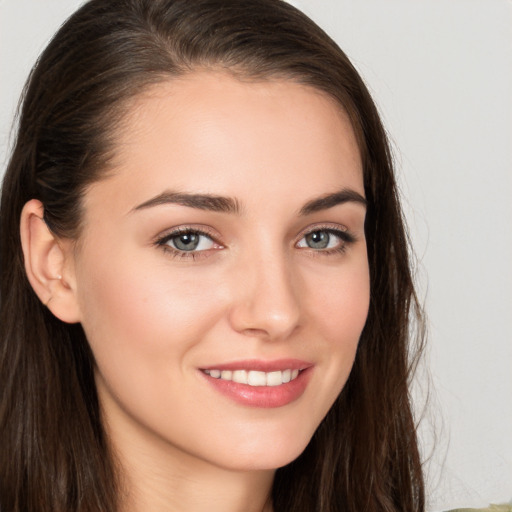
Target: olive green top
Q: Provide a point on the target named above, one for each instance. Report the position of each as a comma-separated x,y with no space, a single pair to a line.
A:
491,508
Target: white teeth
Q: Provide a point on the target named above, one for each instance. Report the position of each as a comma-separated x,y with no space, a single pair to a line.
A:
274,378
226,374
240,376
255,378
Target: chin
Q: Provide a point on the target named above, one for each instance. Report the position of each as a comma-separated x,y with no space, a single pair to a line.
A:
271,455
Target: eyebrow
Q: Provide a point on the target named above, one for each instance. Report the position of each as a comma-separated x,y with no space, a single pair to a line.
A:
345,195
224,204
200,201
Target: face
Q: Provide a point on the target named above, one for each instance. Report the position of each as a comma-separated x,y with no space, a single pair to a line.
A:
221,273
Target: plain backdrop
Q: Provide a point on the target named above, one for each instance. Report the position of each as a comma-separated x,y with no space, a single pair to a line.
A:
441,74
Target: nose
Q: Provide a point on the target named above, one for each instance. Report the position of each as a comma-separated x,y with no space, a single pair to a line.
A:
265,299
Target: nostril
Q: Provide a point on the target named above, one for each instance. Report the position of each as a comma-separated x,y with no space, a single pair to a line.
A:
255,332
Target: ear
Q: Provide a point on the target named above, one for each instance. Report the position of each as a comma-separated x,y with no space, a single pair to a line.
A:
49,264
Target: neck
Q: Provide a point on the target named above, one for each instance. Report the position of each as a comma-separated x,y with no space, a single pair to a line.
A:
214,490
161,478
176,487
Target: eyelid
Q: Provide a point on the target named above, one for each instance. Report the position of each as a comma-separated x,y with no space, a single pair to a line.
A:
345,236
188,228
164,237
327,226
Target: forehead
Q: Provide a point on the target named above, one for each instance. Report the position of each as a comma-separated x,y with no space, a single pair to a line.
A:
217,134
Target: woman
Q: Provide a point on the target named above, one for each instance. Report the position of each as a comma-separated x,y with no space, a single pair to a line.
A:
206,292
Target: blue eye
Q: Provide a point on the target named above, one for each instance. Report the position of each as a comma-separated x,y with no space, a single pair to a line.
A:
325,239
188,241
319,240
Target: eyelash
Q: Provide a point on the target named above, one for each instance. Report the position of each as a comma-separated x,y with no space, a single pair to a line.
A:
176,253
346,239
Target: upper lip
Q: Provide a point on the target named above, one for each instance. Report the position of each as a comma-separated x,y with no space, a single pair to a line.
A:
261,365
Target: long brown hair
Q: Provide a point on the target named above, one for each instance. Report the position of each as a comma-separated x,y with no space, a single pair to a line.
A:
54,454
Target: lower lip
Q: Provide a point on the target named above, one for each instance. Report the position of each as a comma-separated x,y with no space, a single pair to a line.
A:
262,396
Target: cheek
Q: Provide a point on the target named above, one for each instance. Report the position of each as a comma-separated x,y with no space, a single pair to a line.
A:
341,306
145,323
142,309
341,310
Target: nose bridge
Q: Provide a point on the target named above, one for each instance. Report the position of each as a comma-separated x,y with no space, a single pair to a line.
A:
266,300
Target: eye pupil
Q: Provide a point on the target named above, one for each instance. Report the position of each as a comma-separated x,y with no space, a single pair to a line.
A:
186,241
318,239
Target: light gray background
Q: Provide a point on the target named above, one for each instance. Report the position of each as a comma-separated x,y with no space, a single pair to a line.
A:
441,73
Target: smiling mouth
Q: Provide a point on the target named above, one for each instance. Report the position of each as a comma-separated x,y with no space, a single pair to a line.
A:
260,383
255,378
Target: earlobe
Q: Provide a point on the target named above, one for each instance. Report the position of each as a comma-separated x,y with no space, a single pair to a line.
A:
48,264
